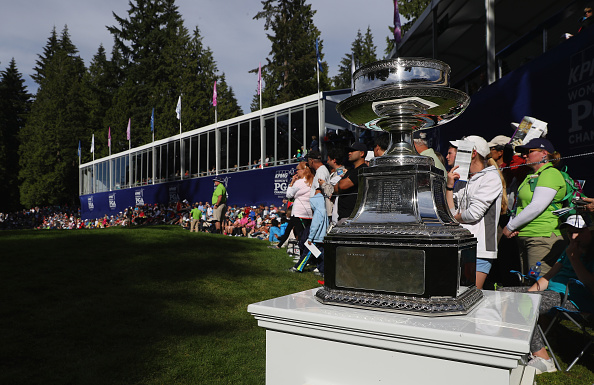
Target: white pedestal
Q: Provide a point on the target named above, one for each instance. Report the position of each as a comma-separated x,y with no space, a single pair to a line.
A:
311,343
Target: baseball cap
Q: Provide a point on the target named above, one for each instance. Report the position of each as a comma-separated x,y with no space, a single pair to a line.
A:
358,147
480,144
576,221
541,143
499,140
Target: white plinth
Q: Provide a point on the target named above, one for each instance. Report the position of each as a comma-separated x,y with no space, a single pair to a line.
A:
311,343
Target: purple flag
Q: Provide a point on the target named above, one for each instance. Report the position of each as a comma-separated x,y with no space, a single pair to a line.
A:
214,94
109,137
397,31
128,130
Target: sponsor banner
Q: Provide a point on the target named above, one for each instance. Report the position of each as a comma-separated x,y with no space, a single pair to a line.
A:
247,188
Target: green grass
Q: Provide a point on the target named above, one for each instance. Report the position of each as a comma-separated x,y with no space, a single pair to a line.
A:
152,305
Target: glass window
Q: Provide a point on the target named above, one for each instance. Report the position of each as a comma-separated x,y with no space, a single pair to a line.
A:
224,153
211,152
255,143
203,153
244,145
233,148
282,139
270,141
186,157
194,156
297,132
312,125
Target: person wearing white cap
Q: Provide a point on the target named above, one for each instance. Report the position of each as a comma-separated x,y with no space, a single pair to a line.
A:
477,204
577,262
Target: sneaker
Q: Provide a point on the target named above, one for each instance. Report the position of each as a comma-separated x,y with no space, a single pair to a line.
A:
273,247
542,366
293,270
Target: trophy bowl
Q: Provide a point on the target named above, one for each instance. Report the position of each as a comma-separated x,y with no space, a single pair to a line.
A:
400,96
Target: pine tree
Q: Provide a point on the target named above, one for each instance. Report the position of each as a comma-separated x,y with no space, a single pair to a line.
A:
364,51
100,82
49,140
15,104
153,42
290,72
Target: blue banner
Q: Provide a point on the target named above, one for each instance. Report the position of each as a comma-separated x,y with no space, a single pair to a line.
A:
246,188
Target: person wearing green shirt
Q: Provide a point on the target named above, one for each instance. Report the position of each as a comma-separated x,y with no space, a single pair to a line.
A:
196,215
535,225
219,203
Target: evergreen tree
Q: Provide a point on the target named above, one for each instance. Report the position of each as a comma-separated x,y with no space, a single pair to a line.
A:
290,72
15,104
153,42
101,83
49,139
364,51
409,10
49,50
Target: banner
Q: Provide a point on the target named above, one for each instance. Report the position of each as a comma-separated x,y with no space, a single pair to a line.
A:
246,188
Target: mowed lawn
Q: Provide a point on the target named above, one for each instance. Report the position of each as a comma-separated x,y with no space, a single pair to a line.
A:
149,305
152,305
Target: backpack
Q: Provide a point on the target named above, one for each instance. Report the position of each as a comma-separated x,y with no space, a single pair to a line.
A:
567,206
573,188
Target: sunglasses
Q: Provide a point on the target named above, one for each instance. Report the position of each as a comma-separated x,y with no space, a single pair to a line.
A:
531,151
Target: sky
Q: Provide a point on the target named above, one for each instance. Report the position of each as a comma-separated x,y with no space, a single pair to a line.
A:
238,41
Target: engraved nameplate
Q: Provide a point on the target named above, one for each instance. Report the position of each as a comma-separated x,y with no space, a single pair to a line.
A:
389,199
389,270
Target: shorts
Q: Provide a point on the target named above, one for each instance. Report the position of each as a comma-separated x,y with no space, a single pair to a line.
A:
219,213
483,265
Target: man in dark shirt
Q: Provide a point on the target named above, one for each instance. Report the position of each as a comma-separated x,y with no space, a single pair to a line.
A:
348,186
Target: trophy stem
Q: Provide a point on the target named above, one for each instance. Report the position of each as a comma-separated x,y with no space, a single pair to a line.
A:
401,144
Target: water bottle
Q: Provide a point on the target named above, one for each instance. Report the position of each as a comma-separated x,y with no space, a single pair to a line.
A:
534,271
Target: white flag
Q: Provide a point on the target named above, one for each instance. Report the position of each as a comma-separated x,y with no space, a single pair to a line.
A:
93,144
178,108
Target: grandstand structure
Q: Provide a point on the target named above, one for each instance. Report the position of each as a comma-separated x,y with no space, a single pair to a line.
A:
512,57
253,153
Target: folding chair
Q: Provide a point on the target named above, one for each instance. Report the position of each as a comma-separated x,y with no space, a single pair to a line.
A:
583,318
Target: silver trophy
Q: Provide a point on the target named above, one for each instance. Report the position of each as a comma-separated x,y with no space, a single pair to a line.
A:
401,250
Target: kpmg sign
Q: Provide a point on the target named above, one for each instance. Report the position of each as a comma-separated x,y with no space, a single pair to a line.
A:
580,93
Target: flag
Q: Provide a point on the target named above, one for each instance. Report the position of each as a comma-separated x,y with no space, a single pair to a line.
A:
318,57
260,79
78,149
153,120
128,129
109,138
397,31
178,108
214,95
93,144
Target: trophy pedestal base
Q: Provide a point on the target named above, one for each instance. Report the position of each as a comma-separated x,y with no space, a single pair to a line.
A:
434,306
355,346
